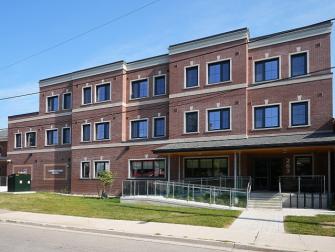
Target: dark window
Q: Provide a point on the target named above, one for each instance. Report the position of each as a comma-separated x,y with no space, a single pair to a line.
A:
18,140
139,89
87,95
99,167
159,127
147,168
206,167
53,104
67,101
267,70
103,92
219,72
102,131
85,169
298,64
139,129
159,85
303,165
31,139
299,113
219,119
192,76
66,136
267,117
191,120
86,132
52,137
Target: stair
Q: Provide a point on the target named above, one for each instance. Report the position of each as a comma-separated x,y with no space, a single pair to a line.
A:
265,200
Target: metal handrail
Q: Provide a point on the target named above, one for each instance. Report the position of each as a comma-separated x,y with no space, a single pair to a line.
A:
299,182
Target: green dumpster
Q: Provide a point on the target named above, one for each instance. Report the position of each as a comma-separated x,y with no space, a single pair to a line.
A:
19,182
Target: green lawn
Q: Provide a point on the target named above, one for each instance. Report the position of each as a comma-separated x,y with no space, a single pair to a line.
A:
315,225
113,209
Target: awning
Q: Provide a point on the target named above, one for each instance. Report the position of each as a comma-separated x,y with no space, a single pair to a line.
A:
297,140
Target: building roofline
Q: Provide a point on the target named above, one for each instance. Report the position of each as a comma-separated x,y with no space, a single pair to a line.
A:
22,115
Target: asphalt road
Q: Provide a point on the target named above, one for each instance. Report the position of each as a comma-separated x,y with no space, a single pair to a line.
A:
26,238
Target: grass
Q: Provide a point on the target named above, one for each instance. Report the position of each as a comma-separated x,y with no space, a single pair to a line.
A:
311,225
112,209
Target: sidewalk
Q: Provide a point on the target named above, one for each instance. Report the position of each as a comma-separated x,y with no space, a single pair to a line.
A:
254,234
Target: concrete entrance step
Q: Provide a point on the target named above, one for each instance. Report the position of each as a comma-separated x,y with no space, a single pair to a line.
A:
265,200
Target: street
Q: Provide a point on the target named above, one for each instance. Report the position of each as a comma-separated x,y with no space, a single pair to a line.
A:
19,238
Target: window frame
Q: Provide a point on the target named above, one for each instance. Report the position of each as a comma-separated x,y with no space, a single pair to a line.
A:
267,105
185,70
63,108
90,169
95,131
15,142
153,85
153,126
219,108
97,161
82,95
25,139
46,137
131,89
130,128
308,114
147,159
290,64
191,111
266,59
96,92
303,155
67,127
46,103
215,62
82,133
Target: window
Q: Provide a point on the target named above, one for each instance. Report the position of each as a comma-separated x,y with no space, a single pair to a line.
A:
18,140
219,72
31,139
100,166
139,89
299,113
147,168
192,77
52,105
87,95
139,129
159,85
86,132
102,131
219,119
266,117
298,64
52,137
206,167
266,70
66,135
67,101
102,92
159,127
85,170
191,122
303,165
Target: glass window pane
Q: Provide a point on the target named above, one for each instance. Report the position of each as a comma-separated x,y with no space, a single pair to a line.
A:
139,129
87,95
53,104
67,103
159,85
192,122
271,70
87,132
192,76
18,140
85,169
225,71
225,119
103,92
299,113
303,166
214,73
259,118
299,64
100,167
214,120
259,72
159,127
159,168
136,169
66,136
272,117
102,131
139,89
31,139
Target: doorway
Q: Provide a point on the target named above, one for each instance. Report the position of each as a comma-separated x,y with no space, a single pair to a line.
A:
266,172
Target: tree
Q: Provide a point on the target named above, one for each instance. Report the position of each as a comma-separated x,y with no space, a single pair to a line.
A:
106,179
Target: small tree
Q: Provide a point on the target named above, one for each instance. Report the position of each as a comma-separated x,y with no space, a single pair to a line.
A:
106,179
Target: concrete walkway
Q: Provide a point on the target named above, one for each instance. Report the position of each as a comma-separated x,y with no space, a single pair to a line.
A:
266,232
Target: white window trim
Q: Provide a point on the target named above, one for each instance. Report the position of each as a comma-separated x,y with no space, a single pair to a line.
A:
63,101
263,59
197,157
195,65
290,114
267,105
153,84
190,111
230,119
25,139
82,95
131,89
134,120
90,169
95,92
96,161
303,155
218,61
147,159
63,135
46,104
46,137
94,131
289,64
15,143
153,126
82,133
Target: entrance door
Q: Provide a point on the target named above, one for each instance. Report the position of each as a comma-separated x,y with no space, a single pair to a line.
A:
266,173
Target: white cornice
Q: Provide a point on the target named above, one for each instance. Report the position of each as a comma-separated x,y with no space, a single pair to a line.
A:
47,116
163,59
38,151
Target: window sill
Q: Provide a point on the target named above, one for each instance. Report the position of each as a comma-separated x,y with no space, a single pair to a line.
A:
98,102
188,88
86,104
102,140
300,76
86,141
191,133
223,130
274,128
264,82
138,139
218,83
140,98
159,95
299,126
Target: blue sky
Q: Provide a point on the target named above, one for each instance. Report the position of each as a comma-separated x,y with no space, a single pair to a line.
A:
30,26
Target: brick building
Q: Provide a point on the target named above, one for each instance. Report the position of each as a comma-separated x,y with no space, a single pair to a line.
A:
3,152
224,105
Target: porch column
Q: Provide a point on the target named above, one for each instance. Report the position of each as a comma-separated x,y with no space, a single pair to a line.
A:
235,169
178,168
169,168
329,172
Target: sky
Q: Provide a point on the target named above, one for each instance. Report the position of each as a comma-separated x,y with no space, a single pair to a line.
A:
27,27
